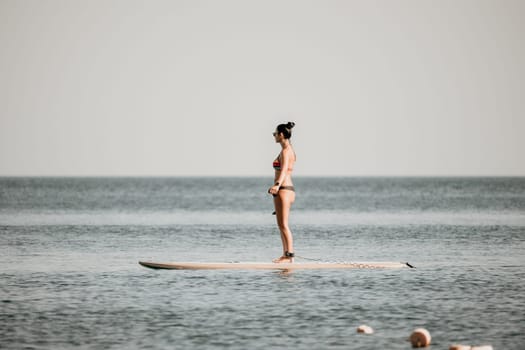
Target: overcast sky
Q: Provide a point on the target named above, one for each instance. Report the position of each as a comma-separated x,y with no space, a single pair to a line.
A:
197,87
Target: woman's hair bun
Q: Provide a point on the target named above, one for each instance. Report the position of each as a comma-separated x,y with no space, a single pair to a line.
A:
286,129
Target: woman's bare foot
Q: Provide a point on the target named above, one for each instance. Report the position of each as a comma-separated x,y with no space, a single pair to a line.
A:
280,259
286,258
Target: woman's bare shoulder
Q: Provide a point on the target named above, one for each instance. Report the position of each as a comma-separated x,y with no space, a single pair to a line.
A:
289,153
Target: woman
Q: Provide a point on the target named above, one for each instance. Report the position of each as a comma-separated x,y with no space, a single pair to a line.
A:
283,191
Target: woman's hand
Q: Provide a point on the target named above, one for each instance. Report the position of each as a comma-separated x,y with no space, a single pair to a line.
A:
273,190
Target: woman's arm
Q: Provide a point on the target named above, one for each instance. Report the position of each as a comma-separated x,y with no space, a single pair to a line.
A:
282,175
284,167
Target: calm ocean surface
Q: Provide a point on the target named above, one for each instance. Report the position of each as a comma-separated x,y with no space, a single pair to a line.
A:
70,277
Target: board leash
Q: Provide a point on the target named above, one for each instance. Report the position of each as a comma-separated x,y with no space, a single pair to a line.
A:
343,262
327,261
310,259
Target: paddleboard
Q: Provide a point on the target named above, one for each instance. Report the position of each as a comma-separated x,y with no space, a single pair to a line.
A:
271,266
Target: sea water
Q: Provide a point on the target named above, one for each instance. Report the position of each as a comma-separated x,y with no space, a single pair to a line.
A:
69,276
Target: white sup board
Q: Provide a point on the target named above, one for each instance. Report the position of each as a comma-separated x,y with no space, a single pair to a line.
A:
271,266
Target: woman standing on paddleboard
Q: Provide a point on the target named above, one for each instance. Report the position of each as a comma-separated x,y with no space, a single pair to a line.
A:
282,190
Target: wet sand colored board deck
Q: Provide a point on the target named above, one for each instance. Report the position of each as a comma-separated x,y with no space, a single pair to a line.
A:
271,266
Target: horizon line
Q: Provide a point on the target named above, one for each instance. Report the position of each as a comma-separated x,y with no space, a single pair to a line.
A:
263,176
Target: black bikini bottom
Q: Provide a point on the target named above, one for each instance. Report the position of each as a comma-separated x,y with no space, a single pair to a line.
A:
286,188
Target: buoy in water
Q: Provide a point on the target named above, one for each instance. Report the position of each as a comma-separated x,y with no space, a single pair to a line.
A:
365,329
468,347
420,338
459,347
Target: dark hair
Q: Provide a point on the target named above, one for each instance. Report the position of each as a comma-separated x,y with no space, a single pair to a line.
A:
286,129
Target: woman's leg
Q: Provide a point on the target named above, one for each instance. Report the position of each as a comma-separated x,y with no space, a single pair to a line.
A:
283,202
